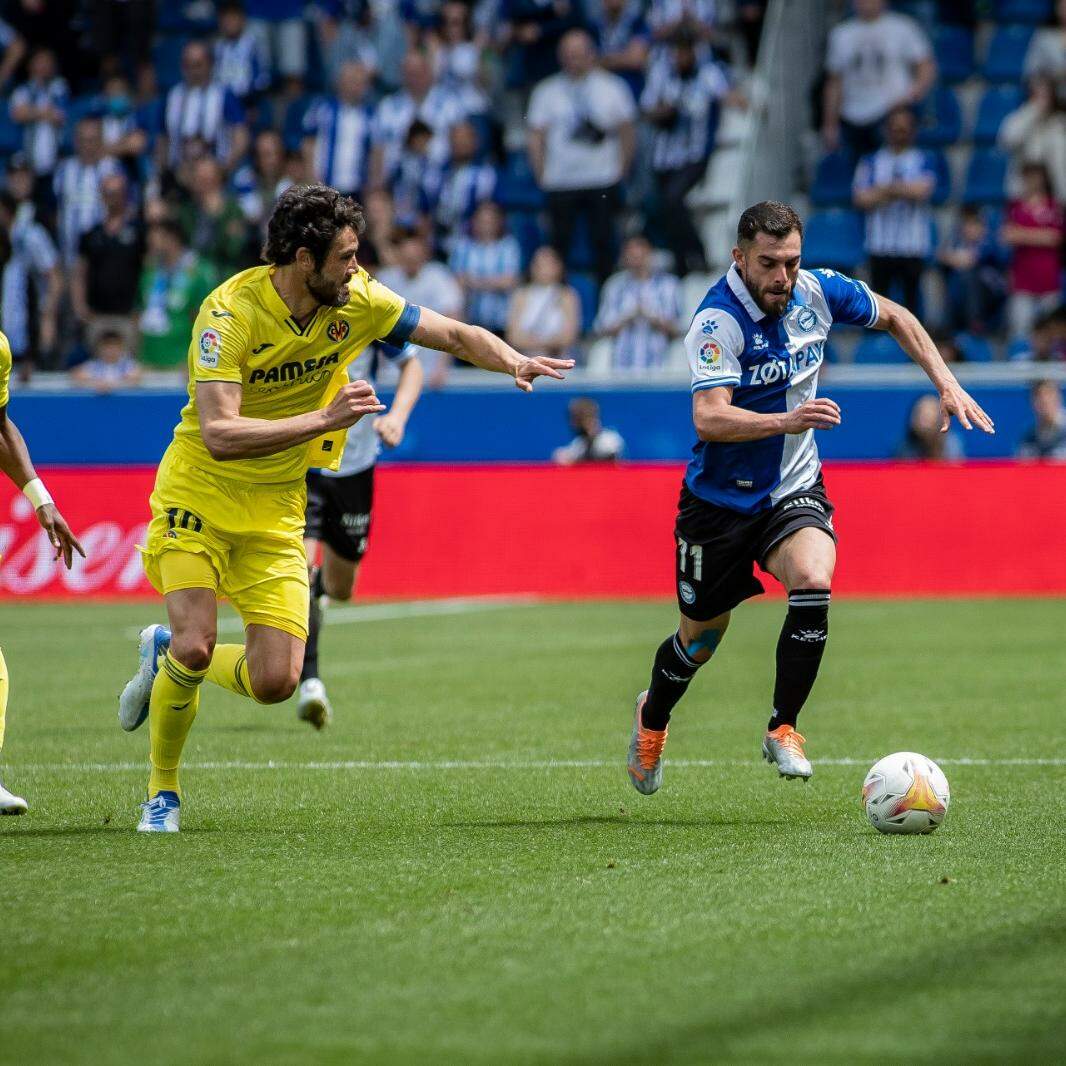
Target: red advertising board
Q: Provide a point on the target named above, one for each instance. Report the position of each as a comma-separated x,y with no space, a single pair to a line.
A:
905,529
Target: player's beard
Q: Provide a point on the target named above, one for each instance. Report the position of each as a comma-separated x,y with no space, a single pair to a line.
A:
779,301
327,292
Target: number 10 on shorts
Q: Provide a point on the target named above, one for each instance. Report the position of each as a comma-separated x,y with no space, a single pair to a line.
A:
694,552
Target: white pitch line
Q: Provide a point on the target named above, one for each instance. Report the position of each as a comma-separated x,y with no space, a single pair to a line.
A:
383,612
501,764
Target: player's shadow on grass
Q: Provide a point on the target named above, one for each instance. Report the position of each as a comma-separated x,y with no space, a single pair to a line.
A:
611,819
843,1001
68,831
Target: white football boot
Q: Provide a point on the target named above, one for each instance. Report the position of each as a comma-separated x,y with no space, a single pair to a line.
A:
313,704
783,747
152,645
161,814
10,803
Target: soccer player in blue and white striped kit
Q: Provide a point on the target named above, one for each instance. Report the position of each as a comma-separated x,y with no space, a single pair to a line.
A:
753,491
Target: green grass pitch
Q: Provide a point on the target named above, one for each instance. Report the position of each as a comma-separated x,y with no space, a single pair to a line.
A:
420,910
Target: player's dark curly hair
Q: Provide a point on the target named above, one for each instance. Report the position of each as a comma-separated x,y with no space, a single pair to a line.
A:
309,216
770,217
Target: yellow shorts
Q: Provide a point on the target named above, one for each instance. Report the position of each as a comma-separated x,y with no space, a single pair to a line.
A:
244,541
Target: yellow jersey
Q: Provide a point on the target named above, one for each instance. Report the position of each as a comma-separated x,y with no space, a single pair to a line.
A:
5,371
245,334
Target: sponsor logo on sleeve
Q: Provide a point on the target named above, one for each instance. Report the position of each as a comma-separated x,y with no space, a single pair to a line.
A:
710,356
210,346
338,331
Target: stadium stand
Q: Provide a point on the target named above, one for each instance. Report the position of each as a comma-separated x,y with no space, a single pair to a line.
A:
980,82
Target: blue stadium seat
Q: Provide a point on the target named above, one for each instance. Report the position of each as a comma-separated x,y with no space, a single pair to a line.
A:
832,180
1018,348
172,18
526,228
1033,12
942,189
939,118
581,256
975,349
997,103
834,238
879,347
10,134
517,189
985,177
166,58
486,135
923,11
1006,54
292,123
588,293
953,46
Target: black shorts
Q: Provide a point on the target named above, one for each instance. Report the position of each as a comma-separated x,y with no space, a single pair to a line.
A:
717,548
338,511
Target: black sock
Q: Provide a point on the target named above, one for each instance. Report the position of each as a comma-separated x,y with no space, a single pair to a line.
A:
670,675
799,652
314,627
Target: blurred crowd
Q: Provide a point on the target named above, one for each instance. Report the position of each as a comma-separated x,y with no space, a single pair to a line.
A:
522,163
956,173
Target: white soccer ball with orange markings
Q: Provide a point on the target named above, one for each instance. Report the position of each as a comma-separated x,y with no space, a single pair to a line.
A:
905,793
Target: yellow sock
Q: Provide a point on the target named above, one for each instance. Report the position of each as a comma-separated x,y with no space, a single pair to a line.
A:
175,697
229,670
3,697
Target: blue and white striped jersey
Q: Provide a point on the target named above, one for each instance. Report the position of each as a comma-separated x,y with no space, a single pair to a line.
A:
695,100
461,187
900,227
342,142
772,365
33,256
487,260
440,109
78,200
40,140
206,111
640,344
241,66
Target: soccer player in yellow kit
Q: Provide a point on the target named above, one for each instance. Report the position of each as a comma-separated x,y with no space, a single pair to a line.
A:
269,397
15,463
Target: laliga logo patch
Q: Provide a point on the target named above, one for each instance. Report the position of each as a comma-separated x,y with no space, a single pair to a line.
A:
210,346
806,319
338,331
710,355
688,593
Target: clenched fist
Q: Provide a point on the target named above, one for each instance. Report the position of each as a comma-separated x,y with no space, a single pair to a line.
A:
355,399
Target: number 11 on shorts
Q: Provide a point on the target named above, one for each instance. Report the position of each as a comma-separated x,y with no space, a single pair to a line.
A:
693,551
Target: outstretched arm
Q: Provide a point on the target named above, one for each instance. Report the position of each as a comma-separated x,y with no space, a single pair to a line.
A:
484,349
16,464
912,337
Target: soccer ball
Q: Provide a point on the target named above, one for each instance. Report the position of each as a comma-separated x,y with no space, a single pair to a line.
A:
905,793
